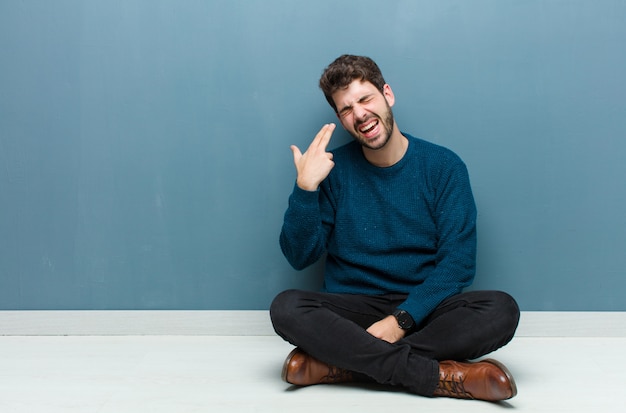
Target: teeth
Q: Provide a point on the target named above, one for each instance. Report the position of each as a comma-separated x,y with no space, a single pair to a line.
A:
367,127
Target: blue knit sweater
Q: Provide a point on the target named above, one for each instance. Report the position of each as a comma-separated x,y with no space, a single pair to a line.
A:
409,228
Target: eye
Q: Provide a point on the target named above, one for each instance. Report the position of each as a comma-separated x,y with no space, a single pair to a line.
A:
345,112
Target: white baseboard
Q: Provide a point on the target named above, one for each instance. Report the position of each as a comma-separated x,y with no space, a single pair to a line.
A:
136,322
257,323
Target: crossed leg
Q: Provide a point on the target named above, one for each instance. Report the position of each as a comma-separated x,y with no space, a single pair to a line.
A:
331,328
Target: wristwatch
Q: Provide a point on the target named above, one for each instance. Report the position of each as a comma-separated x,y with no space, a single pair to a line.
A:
405,321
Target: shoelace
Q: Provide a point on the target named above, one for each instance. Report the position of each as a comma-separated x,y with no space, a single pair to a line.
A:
453,387
335,374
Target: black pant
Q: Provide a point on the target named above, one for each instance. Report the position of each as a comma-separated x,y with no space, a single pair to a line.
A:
331,328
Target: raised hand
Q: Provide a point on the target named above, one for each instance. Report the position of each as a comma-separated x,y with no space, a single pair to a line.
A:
315,164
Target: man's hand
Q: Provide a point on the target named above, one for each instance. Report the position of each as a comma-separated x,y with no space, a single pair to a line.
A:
315,164
387,329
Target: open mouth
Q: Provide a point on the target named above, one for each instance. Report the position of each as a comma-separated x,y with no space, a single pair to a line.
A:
368,127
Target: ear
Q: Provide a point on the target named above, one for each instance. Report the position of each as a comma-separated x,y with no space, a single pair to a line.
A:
388,94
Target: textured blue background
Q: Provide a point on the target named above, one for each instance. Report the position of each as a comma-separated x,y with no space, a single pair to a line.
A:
144,145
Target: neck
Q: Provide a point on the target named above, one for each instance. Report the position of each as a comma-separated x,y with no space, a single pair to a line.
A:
391,153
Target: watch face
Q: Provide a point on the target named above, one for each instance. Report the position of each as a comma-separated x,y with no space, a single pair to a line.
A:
404,319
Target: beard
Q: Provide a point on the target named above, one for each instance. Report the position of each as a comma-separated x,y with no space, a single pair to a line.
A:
386,122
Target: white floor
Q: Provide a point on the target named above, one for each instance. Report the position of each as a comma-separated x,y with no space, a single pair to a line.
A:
120,374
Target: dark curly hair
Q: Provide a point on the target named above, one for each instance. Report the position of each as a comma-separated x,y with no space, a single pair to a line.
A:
347,68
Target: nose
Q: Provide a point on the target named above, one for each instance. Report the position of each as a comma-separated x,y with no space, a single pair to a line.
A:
359,112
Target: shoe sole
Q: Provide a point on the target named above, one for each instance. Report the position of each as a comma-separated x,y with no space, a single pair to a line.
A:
507,373
283,374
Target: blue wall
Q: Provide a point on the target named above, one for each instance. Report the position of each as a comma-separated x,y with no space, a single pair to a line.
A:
144,144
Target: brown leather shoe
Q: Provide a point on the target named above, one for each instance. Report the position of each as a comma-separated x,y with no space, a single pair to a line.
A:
484,380
303,370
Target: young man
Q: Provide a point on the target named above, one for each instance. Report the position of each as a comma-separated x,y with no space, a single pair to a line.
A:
396,219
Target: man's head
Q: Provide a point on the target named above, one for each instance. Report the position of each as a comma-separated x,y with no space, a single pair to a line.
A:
355,88
344,70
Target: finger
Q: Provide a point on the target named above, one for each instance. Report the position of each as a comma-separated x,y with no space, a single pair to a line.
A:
324,135
296,153
316,140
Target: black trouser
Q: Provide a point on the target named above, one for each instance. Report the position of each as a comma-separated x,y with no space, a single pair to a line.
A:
331,328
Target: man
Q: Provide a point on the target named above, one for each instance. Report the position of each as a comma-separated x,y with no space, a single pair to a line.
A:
396,218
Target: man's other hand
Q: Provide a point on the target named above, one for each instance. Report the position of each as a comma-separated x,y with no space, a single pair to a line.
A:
387,329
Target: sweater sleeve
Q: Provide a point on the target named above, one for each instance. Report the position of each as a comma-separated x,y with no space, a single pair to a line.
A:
304,232
454,213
